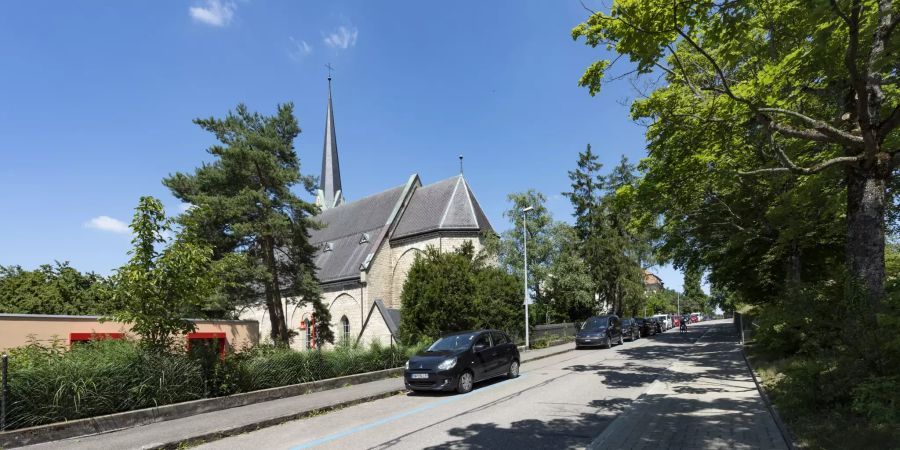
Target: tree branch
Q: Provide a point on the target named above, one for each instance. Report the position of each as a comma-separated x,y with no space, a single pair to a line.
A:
824,129
889,124
789,166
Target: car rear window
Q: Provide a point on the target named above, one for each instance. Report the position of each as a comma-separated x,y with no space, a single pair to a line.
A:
595,323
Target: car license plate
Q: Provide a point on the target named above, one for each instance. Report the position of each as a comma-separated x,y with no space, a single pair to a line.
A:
419,375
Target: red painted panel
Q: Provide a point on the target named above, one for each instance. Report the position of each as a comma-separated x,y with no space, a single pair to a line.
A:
220,338
85,337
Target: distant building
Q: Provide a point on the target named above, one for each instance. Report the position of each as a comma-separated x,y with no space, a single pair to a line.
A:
367,247
652,283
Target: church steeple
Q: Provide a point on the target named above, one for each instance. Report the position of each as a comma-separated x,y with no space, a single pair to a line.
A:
329,194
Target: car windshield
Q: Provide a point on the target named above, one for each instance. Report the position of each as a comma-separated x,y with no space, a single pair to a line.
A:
451,343
595,323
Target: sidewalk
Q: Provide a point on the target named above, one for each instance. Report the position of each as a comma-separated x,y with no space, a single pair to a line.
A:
229,422
706,400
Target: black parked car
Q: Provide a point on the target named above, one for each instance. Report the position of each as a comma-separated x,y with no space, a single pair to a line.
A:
660,325
600,330
648,326
631,329
458,361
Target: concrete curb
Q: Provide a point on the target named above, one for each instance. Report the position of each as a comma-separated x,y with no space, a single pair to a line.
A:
228,432
523,354
782,427
129,419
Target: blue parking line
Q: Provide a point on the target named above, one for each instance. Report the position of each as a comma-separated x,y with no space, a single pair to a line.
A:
386,420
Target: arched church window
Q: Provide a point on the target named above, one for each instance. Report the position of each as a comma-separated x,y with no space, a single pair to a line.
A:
345,328
308,333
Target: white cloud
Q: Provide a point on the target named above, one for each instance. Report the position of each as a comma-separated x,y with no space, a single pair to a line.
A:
299,49
342,38
106,223
217,13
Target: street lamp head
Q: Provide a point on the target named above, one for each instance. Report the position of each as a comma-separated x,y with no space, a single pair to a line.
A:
527,208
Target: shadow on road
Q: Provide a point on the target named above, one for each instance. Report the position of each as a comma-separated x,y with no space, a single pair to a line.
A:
712,367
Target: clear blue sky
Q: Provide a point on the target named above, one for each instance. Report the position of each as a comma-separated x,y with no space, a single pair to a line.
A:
97,98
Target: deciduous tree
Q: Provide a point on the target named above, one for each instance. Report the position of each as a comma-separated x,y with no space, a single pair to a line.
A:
809,87
155,288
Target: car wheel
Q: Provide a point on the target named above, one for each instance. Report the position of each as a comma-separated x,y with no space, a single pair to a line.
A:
466,382
621,339
608,342
513,369
635,336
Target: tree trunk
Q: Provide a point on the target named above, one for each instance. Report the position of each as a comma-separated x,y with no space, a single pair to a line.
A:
866,202
795,269
280,335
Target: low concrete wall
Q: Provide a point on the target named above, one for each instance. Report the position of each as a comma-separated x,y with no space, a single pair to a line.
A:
128,419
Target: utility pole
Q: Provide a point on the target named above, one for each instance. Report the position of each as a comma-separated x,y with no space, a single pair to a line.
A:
525,251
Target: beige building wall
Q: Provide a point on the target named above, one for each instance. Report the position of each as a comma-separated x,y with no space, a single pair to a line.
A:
17,330
376,330
384,280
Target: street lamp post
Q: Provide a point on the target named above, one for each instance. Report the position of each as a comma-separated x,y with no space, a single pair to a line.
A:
525,251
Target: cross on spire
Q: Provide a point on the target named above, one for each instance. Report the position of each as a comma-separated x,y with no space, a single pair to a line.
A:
330,69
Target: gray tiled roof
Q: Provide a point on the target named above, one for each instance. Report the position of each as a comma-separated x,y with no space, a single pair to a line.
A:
445,205
391,316
344,227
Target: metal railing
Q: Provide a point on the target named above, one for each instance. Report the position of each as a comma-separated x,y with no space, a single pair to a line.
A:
555,330
4,388
745,325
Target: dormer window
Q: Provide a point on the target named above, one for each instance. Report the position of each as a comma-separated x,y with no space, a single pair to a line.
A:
364,238
328,246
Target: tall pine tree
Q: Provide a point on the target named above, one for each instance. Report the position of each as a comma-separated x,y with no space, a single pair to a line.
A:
245,209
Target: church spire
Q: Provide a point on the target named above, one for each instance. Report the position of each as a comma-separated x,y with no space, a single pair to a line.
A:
329,194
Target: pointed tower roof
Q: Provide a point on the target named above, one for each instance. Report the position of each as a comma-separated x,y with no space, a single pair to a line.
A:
329,194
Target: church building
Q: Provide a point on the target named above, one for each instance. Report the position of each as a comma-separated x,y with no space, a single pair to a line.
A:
367,246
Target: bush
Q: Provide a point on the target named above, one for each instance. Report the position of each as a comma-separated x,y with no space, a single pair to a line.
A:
49,384
102,377
877,400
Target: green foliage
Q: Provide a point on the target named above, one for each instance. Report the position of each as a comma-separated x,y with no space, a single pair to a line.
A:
101,377
612,249
876,398
153,291
49,384
740,98
246,211
455,291
558,278
53,289
660,302
569,287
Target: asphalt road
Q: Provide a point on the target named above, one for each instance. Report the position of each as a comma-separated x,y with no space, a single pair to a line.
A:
563,401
